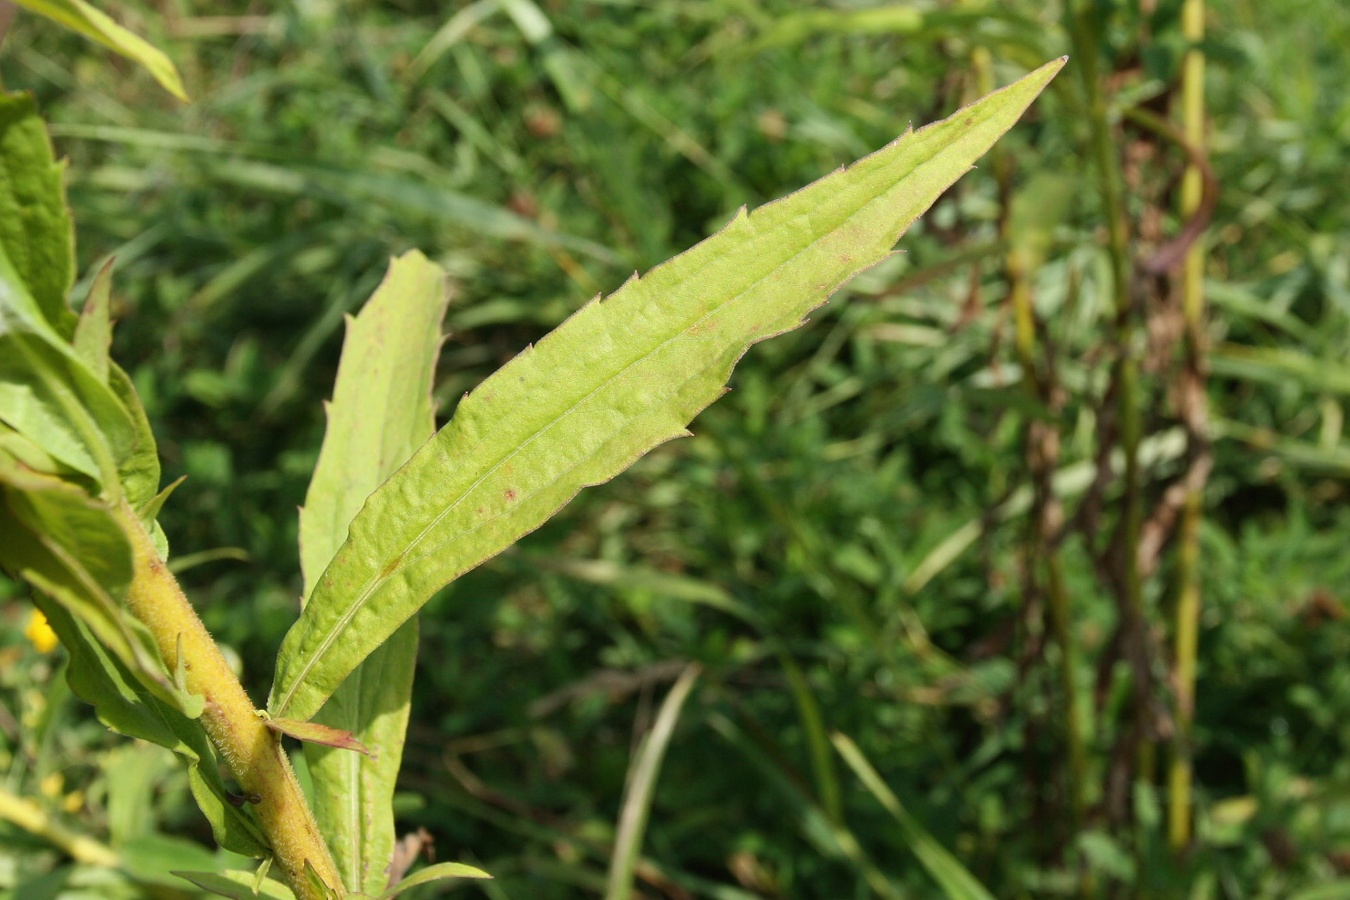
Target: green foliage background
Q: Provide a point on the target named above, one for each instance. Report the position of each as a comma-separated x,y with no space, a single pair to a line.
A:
541,154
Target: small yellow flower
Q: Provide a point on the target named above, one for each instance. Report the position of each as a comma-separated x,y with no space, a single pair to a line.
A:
40,633
53,783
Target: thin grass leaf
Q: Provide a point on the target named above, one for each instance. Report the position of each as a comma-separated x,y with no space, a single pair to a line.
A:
1333,459
954,879
88,21
1009,26
831,839
1279,366
615,380
449,34
637,801
817,741
405,195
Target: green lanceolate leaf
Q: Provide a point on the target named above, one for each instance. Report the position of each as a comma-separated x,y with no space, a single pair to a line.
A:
86,20
381,412
138,470
35,228
616,379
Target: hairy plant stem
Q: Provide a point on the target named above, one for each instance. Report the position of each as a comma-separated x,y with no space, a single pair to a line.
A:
1195,414
252,752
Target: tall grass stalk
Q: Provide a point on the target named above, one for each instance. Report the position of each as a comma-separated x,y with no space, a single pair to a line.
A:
1042,451
1084,27
1195,415
637,802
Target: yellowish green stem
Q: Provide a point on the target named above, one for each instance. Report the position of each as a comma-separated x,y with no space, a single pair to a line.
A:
31,818
252,752
1186,632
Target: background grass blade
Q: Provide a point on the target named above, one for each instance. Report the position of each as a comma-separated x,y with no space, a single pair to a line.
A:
637,801
618,378
956,882
828,838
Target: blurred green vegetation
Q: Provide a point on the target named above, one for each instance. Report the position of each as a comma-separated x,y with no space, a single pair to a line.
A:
541,150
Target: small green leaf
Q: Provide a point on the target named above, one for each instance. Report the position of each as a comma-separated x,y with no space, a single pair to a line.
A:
40,397
318,885
381,412
35,229
93,331
70,547
236,885
138,457
49,394
616,379
150,510
260,874
438,872
80,17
